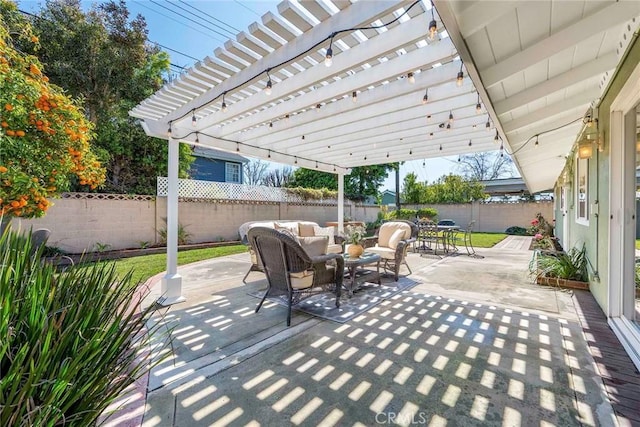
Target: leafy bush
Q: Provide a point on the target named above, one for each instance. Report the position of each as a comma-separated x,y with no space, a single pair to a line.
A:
408,214
430,213
71,342
313,193
572,265
516,231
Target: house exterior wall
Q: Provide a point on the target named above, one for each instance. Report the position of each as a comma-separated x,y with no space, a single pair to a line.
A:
596,235
207,169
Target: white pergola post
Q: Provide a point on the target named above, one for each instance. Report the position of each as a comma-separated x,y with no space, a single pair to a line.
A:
172,281
340,202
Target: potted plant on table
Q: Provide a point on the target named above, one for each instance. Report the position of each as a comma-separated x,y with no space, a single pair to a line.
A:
353,237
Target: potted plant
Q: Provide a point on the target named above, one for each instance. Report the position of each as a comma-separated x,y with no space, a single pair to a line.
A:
353,236
565,269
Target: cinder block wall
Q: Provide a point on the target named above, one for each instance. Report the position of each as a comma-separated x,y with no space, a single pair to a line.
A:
78,224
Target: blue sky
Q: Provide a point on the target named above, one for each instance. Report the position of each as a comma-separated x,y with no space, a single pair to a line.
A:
194,29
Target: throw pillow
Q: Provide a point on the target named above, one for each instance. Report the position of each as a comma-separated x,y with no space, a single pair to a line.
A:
291,226
306,229
314,246
288,232
326,231
395,238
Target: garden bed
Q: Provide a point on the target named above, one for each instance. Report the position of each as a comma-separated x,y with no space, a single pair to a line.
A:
562,283
128,253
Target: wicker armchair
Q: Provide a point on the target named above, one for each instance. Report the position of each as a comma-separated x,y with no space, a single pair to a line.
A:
292,274
393,249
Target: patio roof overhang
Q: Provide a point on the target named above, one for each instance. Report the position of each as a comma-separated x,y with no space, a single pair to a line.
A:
533,66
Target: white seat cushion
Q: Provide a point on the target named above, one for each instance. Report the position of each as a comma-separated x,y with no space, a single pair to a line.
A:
395,238
301,280
326,231
314,246
388,228
334,249
385,253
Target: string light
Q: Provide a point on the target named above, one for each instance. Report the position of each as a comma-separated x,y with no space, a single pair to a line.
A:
193,118
303,137
460,77
448,127
411,78
328,58
450,116
269,155
410,152
169,130
318,107
316,164
433,25
496,138
286,118
431,135
440,147
425,98
469,143
238,146
487,126
296,160
270,124
428,118
354,96
197,138
459,158
536,143
387,155
424,163
267,89
478,106
501,150
224,104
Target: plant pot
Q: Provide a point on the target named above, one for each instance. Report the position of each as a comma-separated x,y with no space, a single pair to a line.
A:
562,283
355,251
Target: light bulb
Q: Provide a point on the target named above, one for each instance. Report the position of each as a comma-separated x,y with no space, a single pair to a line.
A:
433,29
450,117
495,138
487,126
354,96
328,59
429,118
425,98
460,78
193,120
267,89
224,107
448,127
411,78
478,108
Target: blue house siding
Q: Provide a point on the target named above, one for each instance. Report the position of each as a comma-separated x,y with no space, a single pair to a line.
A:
207,169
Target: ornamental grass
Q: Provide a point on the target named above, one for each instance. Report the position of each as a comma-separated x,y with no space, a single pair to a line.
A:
70,342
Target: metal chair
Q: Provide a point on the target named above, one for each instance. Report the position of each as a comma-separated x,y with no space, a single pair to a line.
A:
291,273
467,241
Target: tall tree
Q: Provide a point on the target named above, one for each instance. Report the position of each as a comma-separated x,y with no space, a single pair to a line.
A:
44,136
485,166
412,190
255,171
363,181
102,56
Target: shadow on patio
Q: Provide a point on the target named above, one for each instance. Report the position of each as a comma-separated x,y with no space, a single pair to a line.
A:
439,353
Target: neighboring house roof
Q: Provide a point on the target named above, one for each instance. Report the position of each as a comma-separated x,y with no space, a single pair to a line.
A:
210,153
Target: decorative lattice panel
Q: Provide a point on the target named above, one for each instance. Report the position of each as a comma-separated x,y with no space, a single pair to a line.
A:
103,196
197,189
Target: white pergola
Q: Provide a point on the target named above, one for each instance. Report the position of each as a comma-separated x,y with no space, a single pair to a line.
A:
527,67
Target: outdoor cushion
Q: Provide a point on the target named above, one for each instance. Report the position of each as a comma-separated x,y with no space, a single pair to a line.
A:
325,231
385,253
301,280
306,229
387,229
334,249
291,226
395,238
314,246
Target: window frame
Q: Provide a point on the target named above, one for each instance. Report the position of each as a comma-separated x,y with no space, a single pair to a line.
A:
582,169
228,174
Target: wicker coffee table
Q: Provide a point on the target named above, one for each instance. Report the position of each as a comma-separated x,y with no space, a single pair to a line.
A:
354,265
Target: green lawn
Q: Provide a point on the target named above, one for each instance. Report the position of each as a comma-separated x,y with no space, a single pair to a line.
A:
485,240
638,244
146,266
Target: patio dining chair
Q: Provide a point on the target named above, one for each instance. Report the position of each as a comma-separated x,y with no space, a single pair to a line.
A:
467,241
292,274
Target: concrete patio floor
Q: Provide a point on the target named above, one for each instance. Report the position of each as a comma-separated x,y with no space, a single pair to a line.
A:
473,343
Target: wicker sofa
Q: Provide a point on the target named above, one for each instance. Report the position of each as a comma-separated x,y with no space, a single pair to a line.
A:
305,231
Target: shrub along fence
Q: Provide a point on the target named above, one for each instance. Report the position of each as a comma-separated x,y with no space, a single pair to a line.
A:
88,222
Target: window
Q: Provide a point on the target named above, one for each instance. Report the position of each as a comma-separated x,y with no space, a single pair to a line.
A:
232,172
582,191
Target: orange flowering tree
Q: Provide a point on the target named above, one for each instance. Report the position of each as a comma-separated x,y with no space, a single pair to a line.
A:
44,137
